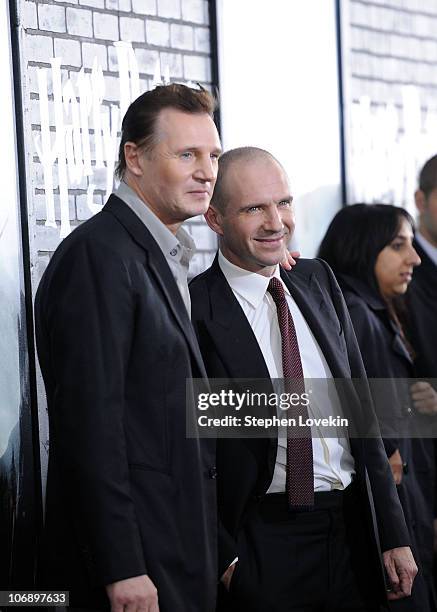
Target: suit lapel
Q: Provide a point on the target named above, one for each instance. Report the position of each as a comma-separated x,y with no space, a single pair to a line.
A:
237,343
231,331
321,318
160,270
238,347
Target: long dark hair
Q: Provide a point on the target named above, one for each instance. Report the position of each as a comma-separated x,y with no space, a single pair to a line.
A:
356,236
353,241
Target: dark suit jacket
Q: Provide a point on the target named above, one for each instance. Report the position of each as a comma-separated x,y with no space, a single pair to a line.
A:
422,313
229,348
422,307
127,492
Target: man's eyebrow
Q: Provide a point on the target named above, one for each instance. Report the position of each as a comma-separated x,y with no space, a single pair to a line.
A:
188,147
261,204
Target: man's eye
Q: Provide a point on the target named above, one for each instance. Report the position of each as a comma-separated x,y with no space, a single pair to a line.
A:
253,209
285,203
214,156
187,155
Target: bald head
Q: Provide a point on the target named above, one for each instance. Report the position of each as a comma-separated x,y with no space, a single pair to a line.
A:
229,162
252,210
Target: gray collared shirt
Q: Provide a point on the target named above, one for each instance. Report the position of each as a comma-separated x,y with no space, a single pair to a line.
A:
178,248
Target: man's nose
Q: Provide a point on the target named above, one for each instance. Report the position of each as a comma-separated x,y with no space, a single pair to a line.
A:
273,220
206,169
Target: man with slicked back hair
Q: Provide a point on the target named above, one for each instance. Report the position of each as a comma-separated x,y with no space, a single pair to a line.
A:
130,512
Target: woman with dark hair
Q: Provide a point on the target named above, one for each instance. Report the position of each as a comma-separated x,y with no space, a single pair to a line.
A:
370,250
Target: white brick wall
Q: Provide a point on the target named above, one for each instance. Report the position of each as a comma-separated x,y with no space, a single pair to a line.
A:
197,68
157,33
105,26
144,7
92,50
174,31
195,11
119,5
93,3
39,48
79,22
112,88
392,43
146,59
69,50
182,36
202,41
40,207
29,17
132,29
51,17
174,62
169,8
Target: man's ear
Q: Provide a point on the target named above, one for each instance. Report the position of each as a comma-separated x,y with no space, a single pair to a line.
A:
132,156
214,220
420,199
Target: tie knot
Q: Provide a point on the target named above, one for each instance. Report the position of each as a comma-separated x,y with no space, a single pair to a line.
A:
276,290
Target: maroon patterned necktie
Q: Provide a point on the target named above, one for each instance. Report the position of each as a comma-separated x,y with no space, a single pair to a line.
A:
300,472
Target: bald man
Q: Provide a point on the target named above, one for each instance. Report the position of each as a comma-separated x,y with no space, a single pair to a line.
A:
297,521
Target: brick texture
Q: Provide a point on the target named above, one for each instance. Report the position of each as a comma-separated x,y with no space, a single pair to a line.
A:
393,45
51,18
79,22
82,33
391,59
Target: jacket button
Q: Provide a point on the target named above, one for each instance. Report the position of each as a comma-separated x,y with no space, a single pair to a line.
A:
212,473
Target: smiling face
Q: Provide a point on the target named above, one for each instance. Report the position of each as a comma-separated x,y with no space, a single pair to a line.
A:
177,176
395,263
258,220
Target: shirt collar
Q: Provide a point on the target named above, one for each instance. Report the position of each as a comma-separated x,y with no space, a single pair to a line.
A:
249,285
429,248
179,247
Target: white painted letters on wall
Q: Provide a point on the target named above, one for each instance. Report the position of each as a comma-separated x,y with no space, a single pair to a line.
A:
71,151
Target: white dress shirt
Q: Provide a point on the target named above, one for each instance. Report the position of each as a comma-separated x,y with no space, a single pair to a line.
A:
429,248
333,461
